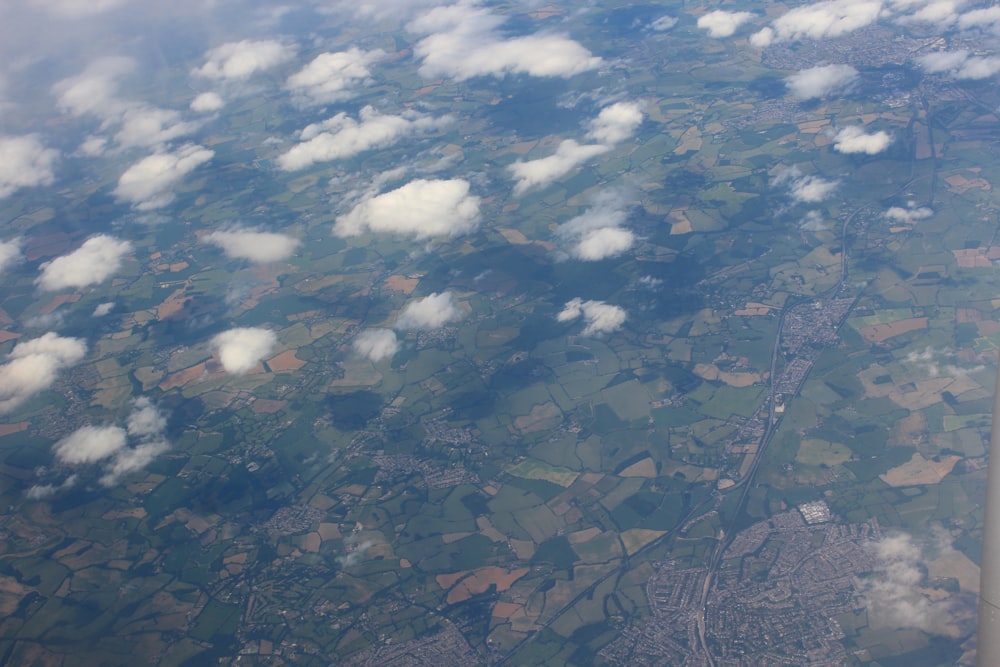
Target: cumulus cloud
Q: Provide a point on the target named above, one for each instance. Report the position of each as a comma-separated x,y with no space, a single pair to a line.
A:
909,215
89,444
421,208
257,247
342,136
103,309
242,348
598,317
544,171
237,61
597,233
34,365
25,162
123,450
44,491
940,12
463,41
720,23
663,23
855,140
10,254
960,64
376,344
432,312
615,123
148,182
355,551
94,262
207,102
893,591
988,18
95,89
821,81
819,20
939,363
143,126
331,76
805,189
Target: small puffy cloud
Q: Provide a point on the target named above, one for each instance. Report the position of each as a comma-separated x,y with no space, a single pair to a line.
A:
44,491
124,450
207,102
598,316
33,366
25,162
663,23
89,444
148,182
544,171
144,126
615,123
236,61
257,247
597,233
94,262
855,140
812,222
422,208
937,363
894,593
242,348
10,254
463,41
909,215
960,64
819,20
330,76
821,81
431,312
806,189
95,90
986,18
342,136
811,189
376,344
720,23
103,309
941,12
355,551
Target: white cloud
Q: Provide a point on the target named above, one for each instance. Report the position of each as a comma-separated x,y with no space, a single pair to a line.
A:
812,222
463,41
616,123
241,349
88,444
148,182
376,344
24,162
598,316
988,17
544,171
855,140
821,81
342,136
95,90
663,23
421,208
330,76
77,9
960,64
33,366
937,363
10,254
893,591
597,233
720,23
431,312
613,124
103,309
942,13
144,126
819,20
236,61
207,102
258,247
806,189
95,261
909,215
43,491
